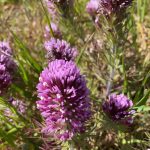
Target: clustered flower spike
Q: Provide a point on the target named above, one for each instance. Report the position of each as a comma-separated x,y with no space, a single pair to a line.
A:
107,7
5,79
60,49
7,66
118,109
64,100
56,31
92,7
5,48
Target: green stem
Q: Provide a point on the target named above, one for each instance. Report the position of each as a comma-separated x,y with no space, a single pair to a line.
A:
71,146
49,23
125,84
112,72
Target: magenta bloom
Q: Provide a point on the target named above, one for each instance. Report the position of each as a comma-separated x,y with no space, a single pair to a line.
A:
92,7
7,66
108,7
6,57
5,48
117,108
64,103
56,31
5,79
60,49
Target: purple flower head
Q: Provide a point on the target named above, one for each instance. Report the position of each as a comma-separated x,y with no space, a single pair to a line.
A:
117,108
5,79
92,7
55,29
60,49
108,7
64,100
5,48
7,66
6,57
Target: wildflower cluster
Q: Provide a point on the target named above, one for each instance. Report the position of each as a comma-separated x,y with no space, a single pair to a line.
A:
64,99
107,7
62,89
118,109
7,66
59,49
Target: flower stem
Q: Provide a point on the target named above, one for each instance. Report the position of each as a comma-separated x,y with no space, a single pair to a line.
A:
112,72
109,84
71,146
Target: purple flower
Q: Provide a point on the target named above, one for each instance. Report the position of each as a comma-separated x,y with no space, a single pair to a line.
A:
6,57
5,48
7,66
5,79
56,31
92,7
64,103
108,7
60,49
118,108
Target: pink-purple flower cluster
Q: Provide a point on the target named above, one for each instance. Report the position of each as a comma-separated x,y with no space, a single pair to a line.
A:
92,7
118,109
7,66
107,7
5,79
60,49
64,103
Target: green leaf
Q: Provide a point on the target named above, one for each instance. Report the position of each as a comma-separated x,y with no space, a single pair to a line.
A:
25,54
8,138
140,91
142,108
144,99
84,48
